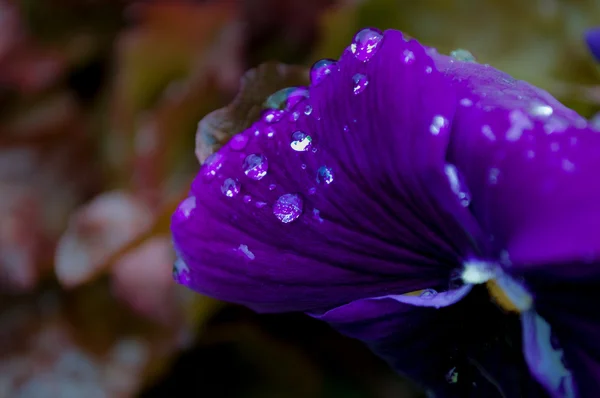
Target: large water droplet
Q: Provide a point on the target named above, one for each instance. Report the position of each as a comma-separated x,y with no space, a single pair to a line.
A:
365,43
231,187
288,207
211,165
458,184
272,115
321,69
238,142
324,175
255,166
360,83
462,55
301,141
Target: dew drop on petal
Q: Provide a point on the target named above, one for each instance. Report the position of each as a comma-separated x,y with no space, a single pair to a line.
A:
518,123
247,198
462,55
540,110
458,184
409,57
360,83
428,293
321,69
438,123
324,175
187,207
428,69
365,43
181,272
567,165
211,165
272,115
312,191
488,133
466,102
243,250
238,142
346,128
303,166
230,187
272,187
294,116
286,98
260,205
295,96
317,215
301,141
307,110
288,208
493,175
255,166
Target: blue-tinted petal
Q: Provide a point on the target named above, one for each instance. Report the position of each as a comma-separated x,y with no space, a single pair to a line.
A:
469,349
356,201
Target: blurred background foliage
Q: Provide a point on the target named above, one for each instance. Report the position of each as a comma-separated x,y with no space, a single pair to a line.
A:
99,105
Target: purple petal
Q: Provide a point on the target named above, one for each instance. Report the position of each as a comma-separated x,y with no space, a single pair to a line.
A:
382,219
592,38
530,163
470,349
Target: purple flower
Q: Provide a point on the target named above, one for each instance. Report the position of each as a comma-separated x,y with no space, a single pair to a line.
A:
437,209
592,37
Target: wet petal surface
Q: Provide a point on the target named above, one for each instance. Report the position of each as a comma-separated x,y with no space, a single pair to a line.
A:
373,211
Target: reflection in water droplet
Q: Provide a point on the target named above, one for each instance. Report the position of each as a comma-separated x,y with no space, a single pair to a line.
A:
409,57
438,123
211,165
365,43
272,115
288,208
462,55
321,69
428,293
256,166
360,83
230,187
238,142
458,184
301,141
181,272
324,175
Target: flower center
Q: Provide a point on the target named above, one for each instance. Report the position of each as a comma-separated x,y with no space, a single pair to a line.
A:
507,293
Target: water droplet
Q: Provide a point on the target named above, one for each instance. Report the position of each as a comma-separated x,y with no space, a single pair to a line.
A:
324,175
409,57
360,83
181,272
247,198
272,115
272,187
487,131
462,55
466,102
294,116
438,123
187,206
493,176
458,184
286,98
288,208
230,187
317,215
255,166
312,191
540,110
301,141
518,123
243,249
260,205
238,142
346,128
428,293
307,110
212,164
321,69
303,166
428,69
269,131
365,43
567,165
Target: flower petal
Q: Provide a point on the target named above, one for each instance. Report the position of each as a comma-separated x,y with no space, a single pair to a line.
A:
530,164
346,197
469,349
592,37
